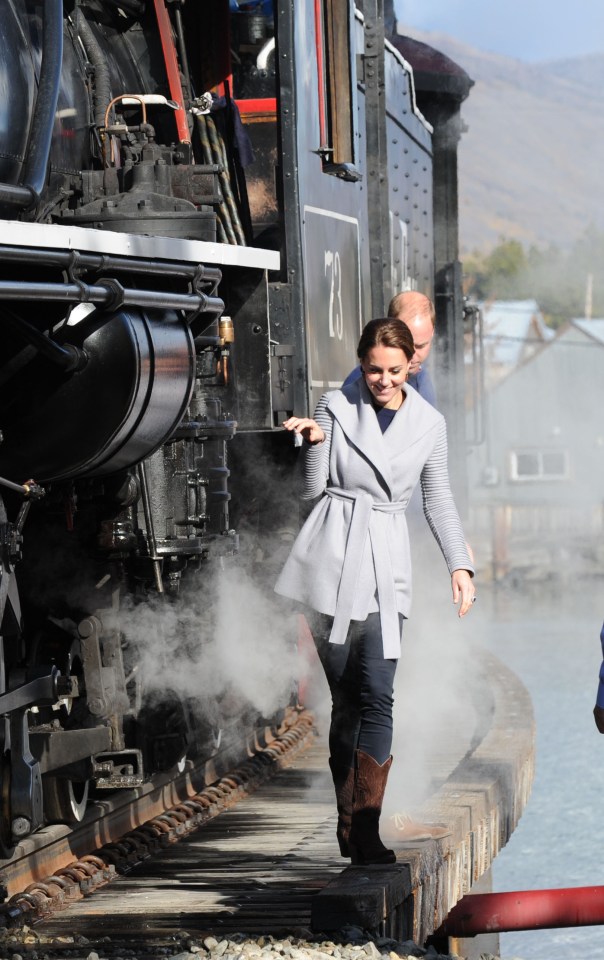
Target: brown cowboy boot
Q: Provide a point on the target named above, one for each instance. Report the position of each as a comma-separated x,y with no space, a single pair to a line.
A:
343,781
369,785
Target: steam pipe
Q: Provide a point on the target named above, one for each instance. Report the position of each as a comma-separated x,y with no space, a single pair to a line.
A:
29,489
102,81
101,261
38,148
111,294
524,910
68,357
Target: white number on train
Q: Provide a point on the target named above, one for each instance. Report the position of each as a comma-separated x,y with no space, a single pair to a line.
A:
336,313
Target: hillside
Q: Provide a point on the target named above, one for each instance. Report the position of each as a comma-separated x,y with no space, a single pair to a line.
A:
531,160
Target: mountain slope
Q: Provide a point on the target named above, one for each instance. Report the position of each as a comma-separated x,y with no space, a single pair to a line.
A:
531,163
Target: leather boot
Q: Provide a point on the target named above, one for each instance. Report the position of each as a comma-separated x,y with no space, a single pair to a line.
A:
343,781
369,786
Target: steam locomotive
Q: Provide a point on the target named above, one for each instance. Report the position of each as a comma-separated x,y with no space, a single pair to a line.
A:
200,206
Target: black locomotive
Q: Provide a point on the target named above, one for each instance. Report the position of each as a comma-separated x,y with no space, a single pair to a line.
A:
201,203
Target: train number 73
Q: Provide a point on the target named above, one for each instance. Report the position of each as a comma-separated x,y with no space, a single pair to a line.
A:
333,271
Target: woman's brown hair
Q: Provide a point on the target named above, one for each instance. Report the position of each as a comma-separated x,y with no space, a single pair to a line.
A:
386,332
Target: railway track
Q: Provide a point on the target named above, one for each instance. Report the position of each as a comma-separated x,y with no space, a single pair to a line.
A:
271,866
60,865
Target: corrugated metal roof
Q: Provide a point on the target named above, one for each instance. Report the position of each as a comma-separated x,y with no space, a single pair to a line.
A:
510,326
593,328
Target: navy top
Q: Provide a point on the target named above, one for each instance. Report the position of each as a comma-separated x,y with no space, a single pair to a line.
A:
385,416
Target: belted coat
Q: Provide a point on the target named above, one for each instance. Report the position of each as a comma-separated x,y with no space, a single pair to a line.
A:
352,555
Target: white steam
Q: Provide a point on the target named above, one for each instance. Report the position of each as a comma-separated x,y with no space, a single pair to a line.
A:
437,684
436,690
225,643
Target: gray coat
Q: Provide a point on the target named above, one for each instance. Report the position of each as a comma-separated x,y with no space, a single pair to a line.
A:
352,555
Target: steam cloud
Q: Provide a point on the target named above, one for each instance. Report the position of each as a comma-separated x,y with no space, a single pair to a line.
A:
436,691
437,685
224,642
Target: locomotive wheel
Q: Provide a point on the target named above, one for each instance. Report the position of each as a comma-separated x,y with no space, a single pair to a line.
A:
65,801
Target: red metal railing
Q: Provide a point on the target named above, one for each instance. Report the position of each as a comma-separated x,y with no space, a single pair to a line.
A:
172,70
524,910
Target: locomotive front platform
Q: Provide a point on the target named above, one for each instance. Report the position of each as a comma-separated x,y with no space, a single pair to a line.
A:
270,865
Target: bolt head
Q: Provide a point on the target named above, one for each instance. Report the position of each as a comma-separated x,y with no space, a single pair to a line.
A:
20,827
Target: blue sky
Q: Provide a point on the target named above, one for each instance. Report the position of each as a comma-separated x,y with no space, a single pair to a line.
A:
528,30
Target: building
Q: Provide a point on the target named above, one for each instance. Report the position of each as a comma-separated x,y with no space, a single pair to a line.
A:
513,330
536,483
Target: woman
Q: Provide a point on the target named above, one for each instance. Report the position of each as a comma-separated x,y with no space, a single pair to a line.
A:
368,445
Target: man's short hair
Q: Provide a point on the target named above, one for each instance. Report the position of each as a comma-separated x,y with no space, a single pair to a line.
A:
411,302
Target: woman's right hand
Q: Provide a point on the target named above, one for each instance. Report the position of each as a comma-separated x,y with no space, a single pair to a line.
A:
309,429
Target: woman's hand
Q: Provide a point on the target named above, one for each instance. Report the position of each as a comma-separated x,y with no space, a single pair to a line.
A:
309,429
463,589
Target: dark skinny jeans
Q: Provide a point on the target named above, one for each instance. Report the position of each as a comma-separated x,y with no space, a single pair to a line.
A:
361,684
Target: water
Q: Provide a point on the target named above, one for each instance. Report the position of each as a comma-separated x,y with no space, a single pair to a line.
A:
550,637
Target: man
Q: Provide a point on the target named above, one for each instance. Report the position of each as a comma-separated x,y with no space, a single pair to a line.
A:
417,311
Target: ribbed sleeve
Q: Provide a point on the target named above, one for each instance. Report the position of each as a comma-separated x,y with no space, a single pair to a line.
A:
439,507
316,456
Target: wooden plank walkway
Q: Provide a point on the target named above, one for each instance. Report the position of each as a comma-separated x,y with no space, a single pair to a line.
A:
270,864
254,868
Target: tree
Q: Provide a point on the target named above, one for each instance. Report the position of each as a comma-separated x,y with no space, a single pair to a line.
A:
496,274
557,279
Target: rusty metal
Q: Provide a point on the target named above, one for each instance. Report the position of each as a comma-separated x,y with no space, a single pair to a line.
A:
36,894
